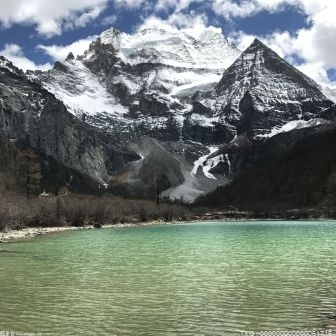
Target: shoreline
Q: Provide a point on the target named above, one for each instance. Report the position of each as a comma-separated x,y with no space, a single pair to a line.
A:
29,233
11,236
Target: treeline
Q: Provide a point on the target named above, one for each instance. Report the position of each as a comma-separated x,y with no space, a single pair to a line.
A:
20,168
304,177
21,182
18,212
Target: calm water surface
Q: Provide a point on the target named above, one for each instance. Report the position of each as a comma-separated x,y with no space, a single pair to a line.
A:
191,279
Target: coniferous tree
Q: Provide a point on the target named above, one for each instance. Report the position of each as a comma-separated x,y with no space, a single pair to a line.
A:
29,173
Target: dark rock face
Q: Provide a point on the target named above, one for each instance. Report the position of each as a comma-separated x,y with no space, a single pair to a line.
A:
30,113
157,170
199,127
150,105
121,91
79,146
70,57
330,113
103,58
211,134
199,108
223,168
60,66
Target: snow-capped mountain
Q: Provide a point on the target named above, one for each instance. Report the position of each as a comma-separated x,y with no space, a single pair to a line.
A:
161,105
261,91
210,50
32,116
143,81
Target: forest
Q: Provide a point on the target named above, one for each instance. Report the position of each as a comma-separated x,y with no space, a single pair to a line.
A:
304,177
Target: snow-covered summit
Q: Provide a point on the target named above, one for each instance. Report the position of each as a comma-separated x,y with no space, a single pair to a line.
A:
260,70
119,69
260,90
112,36
210,50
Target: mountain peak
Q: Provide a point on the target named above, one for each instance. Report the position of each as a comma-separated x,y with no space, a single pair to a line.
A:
260,80
257,42
70,56
259,45
111,36
8,65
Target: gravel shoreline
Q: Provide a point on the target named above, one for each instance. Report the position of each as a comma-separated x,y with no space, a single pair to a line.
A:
28,233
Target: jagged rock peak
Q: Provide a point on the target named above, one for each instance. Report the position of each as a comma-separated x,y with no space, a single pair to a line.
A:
8,65
111,36
70,57
256,60
259,44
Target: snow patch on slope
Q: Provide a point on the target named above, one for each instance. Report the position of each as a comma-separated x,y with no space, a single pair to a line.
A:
294,124
330,93
195,184
205,83
81,91
193,187
200,163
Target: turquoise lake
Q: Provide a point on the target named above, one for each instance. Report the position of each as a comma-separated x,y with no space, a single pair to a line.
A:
188,279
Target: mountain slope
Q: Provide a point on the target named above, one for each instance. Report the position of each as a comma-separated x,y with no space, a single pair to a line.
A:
32,115
189,98
260,91
134,85
288,171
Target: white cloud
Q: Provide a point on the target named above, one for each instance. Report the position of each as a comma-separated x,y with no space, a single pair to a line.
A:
132,4
317,72
50,17
231,8
14,53
241,40
192,23
178,5
108,20
59,52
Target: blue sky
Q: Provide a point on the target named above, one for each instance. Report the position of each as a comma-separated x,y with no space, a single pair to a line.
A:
35,33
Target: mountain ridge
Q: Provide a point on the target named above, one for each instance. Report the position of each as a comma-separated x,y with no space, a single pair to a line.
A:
154,84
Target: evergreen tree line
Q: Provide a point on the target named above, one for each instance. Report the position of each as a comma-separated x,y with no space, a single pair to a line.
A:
304,177
20,169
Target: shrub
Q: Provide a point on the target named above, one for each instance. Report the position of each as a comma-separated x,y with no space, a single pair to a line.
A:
143,214
4,220
99,214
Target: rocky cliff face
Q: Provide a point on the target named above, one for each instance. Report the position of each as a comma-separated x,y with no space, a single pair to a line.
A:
31,114
192,95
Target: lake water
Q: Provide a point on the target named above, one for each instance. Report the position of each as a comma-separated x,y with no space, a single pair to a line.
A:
190,279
